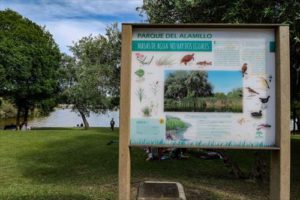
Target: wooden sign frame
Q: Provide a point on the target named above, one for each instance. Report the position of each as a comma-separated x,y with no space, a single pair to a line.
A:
280,155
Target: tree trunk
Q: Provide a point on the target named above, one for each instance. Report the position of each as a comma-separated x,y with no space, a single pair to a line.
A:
85,122
18,118
26,113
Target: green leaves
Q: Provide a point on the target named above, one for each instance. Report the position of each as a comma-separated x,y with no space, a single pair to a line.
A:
29,60
90,78
140,73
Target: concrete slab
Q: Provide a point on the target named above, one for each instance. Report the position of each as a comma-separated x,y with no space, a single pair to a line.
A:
154,190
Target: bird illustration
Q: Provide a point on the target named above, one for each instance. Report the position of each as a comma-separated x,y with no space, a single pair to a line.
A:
187,58
257,114
244,69
264,100
251,91
264,82
261,126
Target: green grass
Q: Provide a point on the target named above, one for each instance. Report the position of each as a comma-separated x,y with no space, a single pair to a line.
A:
175,123
74,164
205,104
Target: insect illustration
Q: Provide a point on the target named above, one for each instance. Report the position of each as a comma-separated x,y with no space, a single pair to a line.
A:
257,114
244,69
251,91
261,126
204,63
143,59
187,58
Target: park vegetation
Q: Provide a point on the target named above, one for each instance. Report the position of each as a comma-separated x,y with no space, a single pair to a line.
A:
35,76
190,91
90,77
29,63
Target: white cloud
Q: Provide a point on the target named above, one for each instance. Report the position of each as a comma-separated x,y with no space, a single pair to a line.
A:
67,31
70,20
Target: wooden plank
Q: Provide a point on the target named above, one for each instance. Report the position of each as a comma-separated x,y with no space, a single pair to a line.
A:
280,160
205,25
124,133
208,147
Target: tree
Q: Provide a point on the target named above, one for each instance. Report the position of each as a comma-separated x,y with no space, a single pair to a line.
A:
180,84
174,88
198,85
29,59
235,93
235,11
90,79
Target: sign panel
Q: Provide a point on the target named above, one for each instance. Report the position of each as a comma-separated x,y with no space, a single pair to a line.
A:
197,87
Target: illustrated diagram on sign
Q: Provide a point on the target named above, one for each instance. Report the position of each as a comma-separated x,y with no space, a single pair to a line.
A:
203,87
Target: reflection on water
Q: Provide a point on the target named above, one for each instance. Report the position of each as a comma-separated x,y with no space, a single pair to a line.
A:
66,118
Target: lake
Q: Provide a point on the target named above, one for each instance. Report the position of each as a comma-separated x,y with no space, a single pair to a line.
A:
64,117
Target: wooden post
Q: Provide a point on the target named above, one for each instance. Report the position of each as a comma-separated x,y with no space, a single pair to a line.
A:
280,160
124,152
280,155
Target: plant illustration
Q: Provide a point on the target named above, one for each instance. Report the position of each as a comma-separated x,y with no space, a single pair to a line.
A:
165,60
140,73
155,87
143,59
147,111
140,94
154,107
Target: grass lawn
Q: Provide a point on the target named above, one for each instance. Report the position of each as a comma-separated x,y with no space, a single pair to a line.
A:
74,164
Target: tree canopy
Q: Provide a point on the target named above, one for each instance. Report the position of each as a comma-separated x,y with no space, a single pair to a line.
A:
29,59
180,84
90,79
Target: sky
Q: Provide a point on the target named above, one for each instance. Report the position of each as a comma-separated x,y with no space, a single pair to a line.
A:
225,81
70,20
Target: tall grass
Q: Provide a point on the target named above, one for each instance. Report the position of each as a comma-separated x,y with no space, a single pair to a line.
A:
175,123
204,104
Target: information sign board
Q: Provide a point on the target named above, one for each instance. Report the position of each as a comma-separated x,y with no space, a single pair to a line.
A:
203,87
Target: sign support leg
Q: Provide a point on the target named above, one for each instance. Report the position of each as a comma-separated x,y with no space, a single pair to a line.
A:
280,160
124,133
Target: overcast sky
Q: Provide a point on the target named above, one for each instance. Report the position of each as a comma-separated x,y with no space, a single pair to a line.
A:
70,20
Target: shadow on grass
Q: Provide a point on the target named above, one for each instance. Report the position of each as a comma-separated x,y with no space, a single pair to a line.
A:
77,158
47,197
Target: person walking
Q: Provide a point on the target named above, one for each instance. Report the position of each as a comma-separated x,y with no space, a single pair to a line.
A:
112,124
